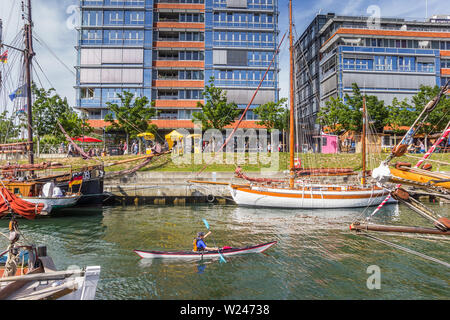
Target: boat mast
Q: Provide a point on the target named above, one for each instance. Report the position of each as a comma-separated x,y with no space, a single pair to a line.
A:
363,140
291,89
28,57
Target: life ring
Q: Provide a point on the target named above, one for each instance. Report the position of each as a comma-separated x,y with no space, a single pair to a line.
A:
210,198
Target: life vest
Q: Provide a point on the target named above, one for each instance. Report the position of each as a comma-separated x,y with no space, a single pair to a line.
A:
195,244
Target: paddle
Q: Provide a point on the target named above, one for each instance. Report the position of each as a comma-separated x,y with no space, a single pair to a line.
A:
222,259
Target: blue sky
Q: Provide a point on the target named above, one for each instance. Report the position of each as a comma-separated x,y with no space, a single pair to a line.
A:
51,24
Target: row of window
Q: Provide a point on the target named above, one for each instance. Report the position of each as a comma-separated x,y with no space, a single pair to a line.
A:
445,63
179,94
181,55
179,36
112,18
179,75
256,4
389,63
125,3
403,43
242,75
126,37
243,17
236,36
179,17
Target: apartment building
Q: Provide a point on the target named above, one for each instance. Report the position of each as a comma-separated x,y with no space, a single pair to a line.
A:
167,50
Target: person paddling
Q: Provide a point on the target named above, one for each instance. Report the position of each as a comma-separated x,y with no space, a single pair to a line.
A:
199,244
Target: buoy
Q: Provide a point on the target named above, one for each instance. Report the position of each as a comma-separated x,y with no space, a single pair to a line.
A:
210,198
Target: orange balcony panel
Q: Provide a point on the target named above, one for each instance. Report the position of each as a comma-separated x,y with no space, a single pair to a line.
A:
180,25
176,103
178,64
445,53
445,72
179,83
173,124
98,123
179,44
186,6
188,124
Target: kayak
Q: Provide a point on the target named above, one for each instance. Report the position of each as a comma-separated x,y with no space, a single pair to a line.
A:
226,251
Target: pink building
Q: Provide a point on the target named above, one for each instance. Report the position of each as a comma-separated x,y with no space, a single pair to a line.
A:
329,143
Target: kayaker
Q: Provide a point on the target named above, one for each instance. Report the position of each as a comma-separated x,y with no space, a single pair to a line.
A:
199,243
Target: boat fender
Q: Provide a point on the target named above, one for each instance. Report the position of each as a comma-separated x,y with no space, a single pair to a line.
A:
445,221
427,166
399,150
401,193
402,164
210,198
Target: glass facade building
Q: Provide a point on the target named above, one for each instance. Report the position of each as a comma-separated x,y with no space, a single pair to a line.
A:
388,58
168,50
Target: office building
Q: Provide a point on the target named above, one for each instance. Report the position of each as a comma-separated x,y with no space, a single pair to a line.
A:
167,50
388,58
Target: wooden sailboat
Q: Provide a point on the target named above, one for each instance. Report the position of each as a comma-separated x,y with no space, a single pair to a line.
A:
421,177
23,180
299,194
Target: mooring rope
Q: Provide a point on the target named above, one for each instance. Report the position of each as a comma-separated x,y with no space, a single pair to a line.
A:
407,250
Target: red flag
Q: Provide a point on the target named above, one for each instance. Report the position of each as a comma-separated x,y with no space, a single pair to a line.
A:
76,180
4,57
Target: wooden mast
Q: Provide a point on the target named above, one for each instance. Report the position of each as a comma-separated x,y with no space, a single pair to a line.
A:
28,56
363,140
291,96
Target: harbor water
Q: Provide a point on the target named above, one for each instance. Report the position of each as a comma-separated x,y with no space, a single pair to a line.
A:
316,257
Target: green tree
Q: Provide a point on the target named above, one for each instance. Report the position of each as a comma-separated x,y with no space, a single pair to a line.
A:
335,116
376,110
439,117
8,130
400,114
346,114
132,116
49,109
217,112
273,115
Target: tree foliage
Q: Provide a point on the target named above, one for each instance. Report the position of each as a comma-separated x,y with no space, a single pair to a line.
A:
8,129
217,112
273,115
49,109
341,115
400,114
345,114
132,116
439,117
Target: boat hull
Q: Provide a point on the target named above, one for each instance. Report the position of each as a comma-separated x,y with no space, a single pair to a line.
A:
53,204
193,255
313,198
91,190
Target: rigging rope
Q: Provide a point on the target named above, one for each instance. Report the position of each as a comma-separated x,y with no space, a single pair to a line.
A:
407,250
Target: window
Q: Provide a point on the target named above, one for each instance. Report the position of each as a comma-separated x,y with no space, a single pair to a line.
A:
349,64
87,93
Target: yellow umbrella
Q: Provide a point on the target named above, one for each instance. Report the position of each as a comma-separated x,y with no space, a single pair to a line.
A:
173,136
147,135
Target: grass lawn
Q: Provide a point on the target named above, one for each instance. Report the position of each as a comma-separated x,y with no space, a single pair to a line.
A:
249,162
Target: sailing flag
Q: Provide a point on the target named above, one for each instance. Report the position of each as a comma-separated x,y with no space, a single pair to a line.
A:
78,179
4,57
19,92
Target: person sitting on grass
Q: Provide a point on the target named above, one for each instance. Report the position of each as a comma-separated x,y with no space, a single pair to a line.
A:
199,244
